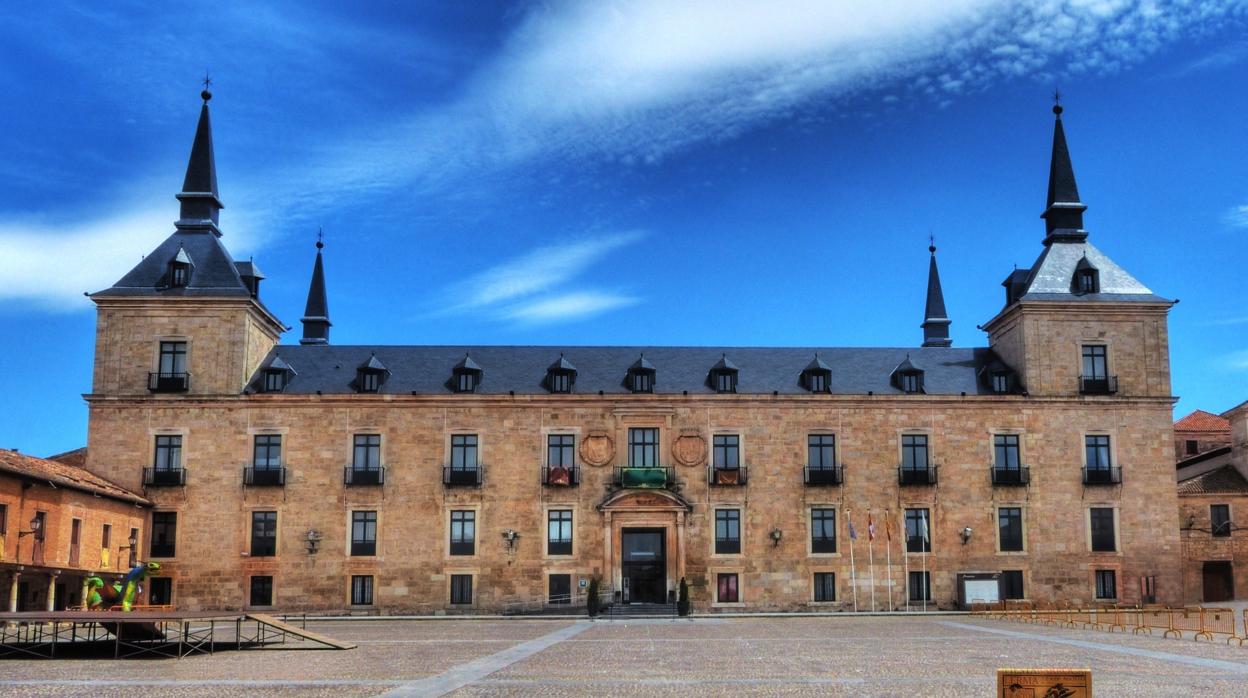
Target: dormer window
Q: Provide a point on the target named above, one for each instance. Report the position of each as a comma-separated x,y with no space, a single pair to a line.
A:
1000,381
640,377
274,380
180,269
1087,278
817,376
466,376
560,376
370,376
723,377
907,377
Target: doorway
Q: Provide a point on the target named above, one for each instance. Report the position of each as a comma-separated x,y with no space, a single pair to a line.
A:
1219,580
644,564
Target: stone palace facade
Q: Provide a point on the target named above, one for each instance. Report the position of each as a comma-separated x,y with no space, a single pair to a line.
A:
320,477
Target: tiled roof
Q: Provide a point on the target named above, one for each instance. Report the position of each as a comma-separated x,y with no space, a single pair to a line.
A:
426,370
63,475
1201,420
1224,480
76,457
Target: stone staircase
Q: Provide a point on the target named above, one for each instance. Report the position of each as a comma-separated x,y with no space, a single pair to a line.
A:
639,610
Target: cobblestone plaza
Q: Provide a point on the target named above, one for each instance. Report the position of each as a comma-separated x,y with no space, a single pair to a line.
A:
942,655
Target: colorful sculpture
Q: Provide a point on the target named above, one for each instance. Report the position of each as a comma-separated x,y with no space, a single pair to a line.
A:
130,584
94,599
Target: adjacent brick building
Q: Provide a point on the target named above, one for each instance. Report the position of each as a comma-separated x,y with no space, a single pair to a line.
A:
1213,497
1199,433
60,524
435,478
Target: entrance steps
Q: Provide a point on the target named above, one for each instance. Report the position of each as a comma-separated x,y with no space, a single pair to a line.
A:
640,610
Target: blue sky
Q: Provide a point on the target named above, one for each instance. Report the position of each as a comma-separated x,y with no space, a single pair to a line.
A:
647,172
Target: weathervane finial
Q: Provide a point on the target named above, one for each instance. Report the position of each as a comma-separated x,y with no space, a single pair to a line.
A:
931,243
320,237
1057,102
207,83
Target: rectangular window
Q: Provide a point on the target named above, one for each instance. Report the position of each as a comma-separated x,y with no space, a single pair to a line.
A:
1096,449
463,532
370,381
160,591
274,381
1005,452
75,539
727,531
643,448
726,588
366,452
1010,528
1010,584
106,534
918,531
263,533
560,589
267,452
466,382
1193,447
1106,584
920,586
821,451
461,589
41,530
1220,520
362,590
914,451
172,358
1000,382
823,530
1095,362
559,532
910,382
168,453
134,548
261,590
727,451
4,519
825,586
560,450
1101,520
363,533
463,452
164,533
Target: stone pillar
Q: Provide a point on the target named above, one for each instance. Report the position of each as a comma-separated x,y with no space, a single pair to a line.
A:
13,592
51,592
680,547
86,591
608,555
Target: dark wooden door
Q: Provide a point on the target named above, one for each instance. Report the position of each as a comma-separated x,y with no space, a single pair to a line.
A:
645,565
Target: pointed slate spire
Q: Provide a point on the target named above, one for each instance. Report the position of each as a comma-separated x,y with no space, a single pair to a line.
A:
201,202
316,314
935,320
1063,213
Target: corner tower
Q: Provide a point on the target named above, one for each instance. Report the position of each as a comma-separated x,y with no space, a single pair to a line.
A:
1076,323
187,319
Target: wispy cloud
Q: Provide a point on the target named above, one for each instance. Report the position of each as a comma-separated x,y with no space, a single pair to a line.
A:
1222,57
1237,216
1237,360
526,289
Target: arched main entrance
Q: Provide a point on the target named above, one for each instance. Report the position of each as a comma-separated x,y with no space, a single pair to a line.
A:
644,543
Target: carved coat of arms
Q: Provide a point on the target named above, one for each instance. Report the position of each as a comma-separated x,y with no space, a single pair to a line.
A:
597,449
689,449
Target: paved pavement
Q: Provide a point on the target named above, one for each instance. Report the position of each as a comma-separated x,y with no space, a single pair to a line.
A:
839,655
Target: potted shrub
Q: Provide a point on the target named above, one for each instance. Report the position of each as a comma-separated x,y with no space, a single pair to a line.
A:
591,600
682,600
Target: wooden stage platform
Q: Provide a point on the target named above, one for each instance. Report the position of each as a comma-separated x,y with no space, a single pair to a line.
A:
147,633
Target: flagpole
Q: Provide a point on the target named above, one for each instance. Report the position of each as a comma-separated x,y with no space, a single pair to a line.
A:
927,547
905,559
871,556
853,573
888,554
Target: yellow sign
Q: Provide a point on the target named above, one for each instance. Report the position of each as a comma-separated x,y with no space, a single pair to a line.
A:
1044,683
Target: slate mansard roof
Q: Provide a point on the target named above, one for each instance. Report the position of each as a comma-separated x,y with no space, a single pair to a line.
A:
425,370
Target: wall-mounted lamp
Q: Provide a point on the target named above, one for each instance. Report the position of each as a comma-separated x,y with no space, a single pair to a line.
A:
510,536
776,534
35,524
966,534
313,539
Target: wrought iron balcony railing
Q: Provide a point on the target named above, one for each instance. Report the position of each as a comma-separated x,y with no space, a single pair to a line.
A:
830,475
916,476
462,477
727,477
1098,385
364,476
561,475
1019,475
657,477
1102,476
264,477
158,382
164,477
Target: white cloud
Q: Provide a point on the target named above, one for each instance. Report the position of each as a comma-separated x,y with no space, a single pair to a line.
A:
1237,216
1237,360
567,307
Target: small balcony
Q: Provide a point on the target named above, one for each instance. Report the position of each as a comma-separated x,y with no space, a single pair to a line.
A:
1005,477
1100,385
561,475
916,476
655,478
462,477
364,477
168,382
823,477
164,477
1102,476
264,477
727,477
